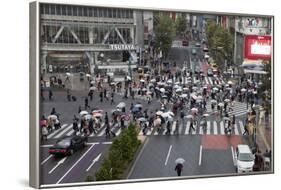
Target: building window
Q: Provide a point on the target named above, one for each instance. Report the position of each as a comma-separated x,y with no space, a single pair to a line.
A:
75,9
58,9
110,13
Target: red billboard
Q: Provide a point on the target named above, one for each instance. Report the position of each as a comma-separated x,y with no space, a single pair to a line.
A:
257,47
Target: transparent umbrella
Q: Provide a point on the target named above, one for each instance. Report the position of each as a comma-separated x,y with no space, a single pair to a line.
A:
179,161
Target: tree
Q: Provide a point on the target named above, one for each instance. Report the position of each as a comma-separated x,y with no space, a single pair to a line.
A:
180,25
164,33
220,42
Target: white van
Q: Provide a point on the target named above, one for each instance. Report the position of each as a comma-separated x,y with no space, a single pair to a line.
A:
245,159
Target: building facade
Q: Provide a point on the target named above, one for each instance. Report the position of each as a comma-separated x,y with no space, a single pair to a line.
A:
89,39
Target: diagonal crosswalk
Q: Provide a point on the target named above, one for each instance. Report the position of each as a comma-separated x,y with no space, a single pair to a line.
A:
239,108
213,128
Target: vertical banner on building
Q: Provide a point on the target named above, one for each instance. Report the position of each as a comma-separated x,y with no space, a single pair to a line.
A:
257,47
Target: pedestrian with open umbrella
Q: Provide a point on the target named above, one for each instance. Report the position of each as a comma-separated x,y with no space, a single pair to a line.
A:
86,103
179,168
50,94
177,128
168,132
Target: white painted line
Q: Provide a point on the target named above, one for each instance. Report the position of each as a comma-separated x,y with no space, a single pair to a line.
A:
149,131
107,142
168,155
119,131
222,128
215,126
57,165
211,81
57,131
194,131
70,133
140,133
102,132
241,125
64,131
156,131
233,158
173,127
187,128
200,156
93,162
236,129
206,80
180,128
75,164
46,145
44,161
92,134
208,127
201,130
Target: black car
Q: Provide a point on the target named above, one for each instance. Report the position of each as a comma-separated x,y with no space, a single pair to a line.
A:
68,145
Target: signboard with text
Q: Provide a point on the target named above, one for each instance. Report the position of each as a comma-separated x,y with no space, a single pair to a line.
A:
257,47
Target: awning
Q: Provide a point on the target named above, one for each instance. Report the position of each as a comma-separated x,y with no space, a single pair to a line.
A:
253,66
254,71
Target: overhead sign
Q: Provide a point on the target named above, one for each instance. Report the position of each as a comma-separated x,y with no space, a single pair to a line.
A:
252,25
121,47
257,47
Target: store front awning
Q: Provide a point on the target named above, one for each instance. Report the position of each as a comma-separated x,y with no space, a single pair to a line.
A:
253,66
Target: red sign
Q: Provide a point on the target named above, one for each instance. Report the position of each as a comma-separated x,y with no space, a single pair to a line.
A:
257,47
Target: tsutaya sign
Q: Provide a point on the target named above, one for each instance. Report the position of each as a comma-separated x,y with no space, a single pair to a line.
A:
121,47
257,47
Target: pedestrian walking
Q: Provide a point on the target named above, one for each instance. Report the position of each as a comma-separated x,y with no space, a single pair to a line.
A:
90,94
179,168
112,98
177,128
191,126
182,116
168,126
79,109
107,131
246,130
50,94
106,121
101,96
75,125
86,103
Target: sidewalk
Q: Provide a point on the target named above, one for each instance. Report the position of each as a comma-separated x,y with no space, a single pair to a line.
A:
264,137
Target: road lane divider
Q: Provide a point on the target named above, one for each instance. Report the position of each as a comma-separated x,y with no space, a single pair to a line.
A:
233,157
200,156
44,161
57,165
168,155
93,162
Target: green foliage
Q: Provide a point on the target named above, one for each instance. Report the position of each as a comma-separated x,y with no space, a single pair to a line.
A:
89,178
164,33
121,153
180,25
219,37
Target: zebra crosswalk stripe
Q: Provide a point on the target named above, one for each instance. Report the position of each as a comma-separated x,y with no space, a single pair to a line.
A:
200,130
208,127
57,131
236,129
241,126
215,125
173,127
206,80
102,132
118,131
222,128
149,131
187,127
211,81
63,131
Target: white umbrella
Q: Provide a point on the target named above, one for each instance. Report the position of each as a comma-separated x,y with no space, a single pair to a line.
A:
149,92
230,82
171,113
67,74
227,100
162,90
189,116
83,113
52,117
142,80
169,81
93,88
199,98
121,105
166,114
142,119
179,161
87,117
226,118
153,80
179,90
194,96
228,88
183,96
213,101
194,87
161,83
176,86
159,113
92,82
243,90
144,89
206,115
255,92
129,78
205,87
97,111
221,104
185,89
194,109
215,88
88,75
177,83
169,118
97,115
138,105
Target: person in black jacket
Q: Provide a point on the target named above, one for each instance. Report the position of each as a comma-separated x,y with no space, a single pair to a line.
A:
178,168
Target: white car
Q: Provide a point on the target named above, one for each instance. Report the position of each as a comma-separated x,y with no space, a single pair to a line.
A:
245,159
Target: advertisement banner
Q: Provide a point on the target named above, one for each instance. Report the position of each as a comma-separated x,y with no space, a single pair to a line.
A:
257,47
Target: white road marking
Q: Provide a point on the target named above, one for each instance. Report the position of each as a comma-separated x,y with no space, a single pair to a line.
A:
57,165
211,81
107,142
180,128
44,161
206,80
194,131
215,126
75,164
233,158
168,155
102,132
64,131
70,133
208,127
236,129
241,126
222,127
57,131
119,131
200,156
149,131
187,127
173,128
201,130
93,162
